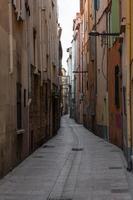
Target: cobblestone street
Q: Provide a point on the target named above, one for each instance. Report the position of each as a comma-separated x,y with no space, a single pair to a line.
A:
74,165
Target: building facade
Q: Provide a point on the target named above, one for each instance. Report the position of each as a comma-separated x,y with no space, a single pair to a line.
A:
64,86
103,68
29,46
78,68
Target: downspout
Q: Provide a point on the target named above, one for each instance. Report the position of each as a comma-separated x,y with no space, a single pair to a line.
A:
40,35
107,107
95,81
95,29
29,82
129,132
82,93
10,36
79,84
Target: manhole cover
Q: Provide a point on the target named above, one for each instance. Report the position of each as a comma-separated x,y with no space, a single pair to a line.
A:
77,149
119,190
48,146
115,167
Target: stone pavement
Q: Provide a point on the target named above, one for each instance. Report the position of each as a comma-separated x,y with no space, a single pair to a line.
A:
74,165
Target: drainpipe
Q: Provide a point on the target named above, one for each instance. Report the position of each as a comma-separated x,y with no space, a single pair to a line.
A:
40,30
129,132
95,118
10,36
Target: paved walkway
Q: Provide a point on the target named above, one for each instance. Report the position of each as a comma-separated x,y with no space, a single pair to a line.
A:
75,165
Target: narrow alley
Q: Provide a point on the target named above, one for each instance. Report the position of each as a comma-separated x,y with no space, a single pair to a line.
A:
74,165
66,100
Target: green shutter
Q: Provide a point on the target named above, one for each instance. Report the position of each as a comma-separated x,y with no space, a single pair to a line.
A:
114,19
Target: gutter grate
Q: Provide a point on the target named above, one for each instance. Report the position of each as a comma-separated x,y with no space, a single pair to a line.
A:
115,167
119,191
77,149
115,151
48,146
38,157
107,145
59,199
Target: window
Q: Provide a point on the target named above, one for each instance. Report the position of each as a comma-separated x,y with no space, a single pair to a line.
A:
124,100
53,5
19,6
46,97
19,107
24,97
117,95
14,2
87,86
35,46
27,6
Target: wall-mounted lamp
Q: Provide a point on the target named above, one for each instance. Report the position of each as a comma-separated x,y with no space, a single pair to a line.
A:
95,34
80,72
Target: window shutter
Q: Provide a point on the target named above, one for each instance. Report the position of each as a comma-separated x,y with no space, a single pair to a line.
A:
96,4
23,10
19,6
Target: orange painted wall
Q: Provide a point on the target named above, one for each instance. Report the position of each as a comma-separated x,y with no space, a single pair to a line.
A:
115,113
